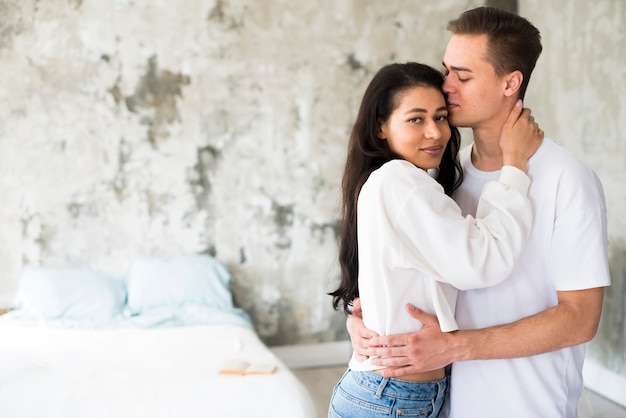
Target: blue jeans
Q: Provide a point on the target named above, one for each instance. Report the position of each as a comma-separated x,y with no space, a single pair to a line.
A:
368,394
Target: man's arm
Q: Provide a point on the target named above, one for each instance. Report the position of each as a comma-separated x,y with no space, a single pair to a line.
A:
574,320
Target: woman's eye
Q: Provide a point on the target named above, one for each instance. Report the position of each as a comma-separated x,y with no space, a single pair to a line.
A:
415,120
441,118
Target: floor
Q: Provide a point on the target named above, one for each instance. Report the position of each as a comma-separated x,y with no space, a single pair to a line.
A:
320,382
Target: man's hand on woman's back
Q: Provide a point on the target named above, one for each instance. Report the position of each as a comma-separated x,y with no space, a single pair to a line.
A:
414,352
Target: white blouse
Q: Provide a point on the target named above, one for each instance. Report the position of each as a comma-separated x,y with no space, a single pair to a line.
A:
416,247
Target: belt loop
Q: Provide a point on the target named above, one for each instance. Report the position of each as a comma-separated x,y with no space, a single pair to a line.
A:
443,386
381,387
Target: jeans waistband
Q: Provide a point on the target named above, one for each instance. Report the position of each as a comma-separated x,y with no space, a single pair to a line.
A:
396,387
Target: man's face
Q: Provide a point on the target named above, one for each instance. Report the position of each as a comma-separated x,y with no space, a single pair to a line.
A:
474,92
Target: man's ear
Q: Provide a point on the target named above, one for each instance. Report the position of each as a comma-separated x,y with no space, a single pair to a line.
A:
513,83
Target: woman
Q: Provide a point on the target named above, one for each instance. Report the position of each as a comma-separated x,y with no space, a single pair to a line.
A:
410,242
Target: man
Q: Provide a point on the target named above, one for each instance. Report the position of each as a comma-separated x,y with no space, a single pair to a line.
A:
520,348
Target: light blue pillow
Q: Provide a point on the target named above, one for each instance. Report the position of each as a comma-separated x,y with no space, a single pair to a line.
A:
51,293
176,281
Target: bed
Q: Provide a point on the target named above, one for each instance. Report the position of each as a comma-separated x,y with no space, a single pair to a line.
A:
151,344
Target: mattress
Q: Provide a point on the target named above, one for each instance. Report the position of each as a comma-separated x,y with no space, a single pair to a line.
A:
141,372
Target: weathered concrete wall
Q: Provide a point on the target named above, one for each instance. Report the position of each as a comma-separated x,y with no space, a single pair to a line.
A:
578,95
134,127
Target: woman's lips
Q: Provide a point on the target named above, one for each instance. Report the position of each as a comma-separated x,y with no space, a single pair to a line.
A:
436,150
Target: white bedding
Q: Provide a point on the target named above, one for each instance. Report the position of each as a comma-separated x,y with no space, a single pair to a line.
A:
141,373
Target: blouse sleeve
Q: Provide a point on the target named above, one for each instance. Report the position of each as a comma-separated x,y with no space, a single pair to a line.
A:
464,251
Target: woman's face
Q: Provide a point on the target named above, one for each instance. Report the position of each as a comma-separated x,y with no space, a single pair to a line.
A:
418,128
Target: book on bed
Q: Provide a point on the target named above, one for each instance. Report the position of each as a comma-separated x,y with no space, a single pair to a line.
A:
243,367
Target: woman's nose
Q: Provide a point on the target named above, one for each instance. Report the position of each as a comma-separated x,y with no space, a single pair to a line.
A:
432,130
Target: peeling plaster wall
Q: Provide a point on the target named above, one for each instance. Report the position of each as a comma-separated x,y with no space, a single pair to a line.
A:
578,95
134,127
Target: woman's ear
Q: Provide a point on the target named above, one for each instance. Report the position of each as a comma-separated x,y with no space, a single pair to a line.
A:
381,130
513,83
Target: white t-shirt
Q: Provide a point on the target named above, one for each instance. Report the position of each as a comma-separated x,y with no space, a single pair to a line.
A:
566,250
415,245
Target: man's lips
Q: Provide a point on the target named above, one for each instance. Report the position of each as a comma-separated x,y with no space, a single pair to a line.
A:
452,106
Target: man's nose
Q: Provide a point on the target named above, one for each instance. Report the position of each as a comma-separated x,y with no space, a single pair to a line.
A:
447,85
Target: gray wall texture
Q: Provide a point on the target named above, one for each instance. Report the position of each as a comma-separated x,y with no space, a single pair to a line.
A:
140,127
577,94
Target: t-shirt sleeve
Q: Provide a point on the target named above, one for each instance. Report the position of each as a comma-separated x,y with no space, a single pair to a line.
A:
578,256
